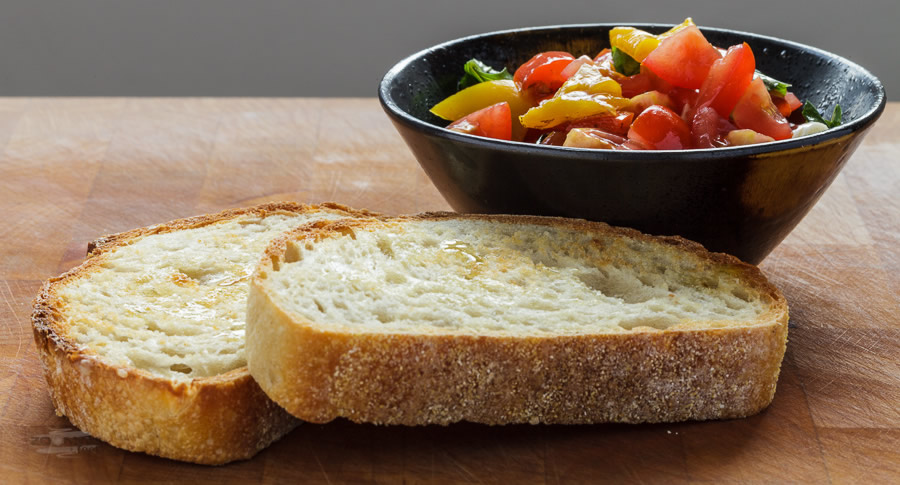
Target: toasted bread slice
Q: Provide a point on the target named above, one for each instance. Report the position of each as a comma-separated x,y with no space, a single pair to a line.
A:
143,344
440,318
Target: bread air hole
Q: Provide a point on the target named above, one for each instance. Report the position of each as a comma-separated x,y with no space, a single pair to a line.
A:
292,253
171,352
628,289
384,245
733,305
196,274
180,367
709,283
276,263
383,316
395,277
650,280
741,294
319,306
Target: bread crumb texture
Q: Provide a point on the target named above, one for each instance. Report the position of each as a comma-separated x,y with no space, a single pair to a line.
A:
173,303
475,277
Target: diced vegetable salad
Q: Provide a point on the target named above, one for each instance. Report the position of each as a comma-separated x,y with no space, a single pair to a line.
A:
670,91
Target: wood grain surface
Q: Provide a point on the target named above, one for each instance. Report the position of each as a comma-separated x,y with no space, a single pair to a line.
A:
74,169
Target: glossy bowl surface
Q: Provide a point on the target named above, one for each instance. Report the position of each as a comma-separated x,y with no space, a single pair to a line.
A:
738,200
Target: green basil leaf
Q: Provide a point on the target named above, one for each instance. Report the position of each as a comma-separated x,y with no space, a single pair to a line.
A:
812,114
624,63
773,85
479,72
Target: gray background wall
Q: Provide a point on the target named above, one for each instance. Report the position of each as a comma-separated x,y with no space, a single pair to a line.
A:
341,48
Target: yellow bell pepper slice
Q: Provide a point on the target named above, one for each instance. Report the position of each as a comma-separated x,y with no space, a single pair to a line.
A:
482,95
587,93
570,107
591,79
639,44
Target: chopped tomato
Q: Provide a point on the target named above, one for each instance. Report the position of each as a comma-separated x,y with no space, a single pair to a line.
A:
633,145
793,101
725,126
756,112
705,128
573,66
556,138
683,59
659,128
683,100
728,79
542,75
616,124
495,121
787,104
637,84
604,57
658,83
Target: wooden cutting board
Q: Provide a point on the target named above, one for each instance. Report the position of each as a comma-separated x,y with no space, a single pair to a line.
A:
74,169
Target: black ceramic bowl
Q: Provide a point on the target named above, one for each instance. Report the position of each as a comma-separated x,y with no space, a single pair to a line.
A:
738,200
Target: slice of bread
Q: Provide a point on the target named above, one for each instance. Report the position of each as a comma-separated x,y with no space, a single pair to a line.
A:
143,344
509,319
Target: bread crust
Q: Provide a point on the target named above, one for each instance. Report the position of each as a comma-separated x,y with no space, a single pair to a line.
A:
209,420
683,373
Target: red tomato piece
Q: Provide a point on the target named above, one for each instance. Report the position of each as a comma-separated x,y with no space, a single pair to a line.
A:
755,111
574,66
683,101
495,121
532,135
541,76
604,57
632,145
787,104
725,126
638,84
683,59
616,124
793,101
658,83
727,80
555,138
705,128
659,128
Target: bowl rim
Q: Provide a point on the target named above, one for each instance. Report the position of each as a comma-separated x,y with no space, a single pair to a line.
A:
857,125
